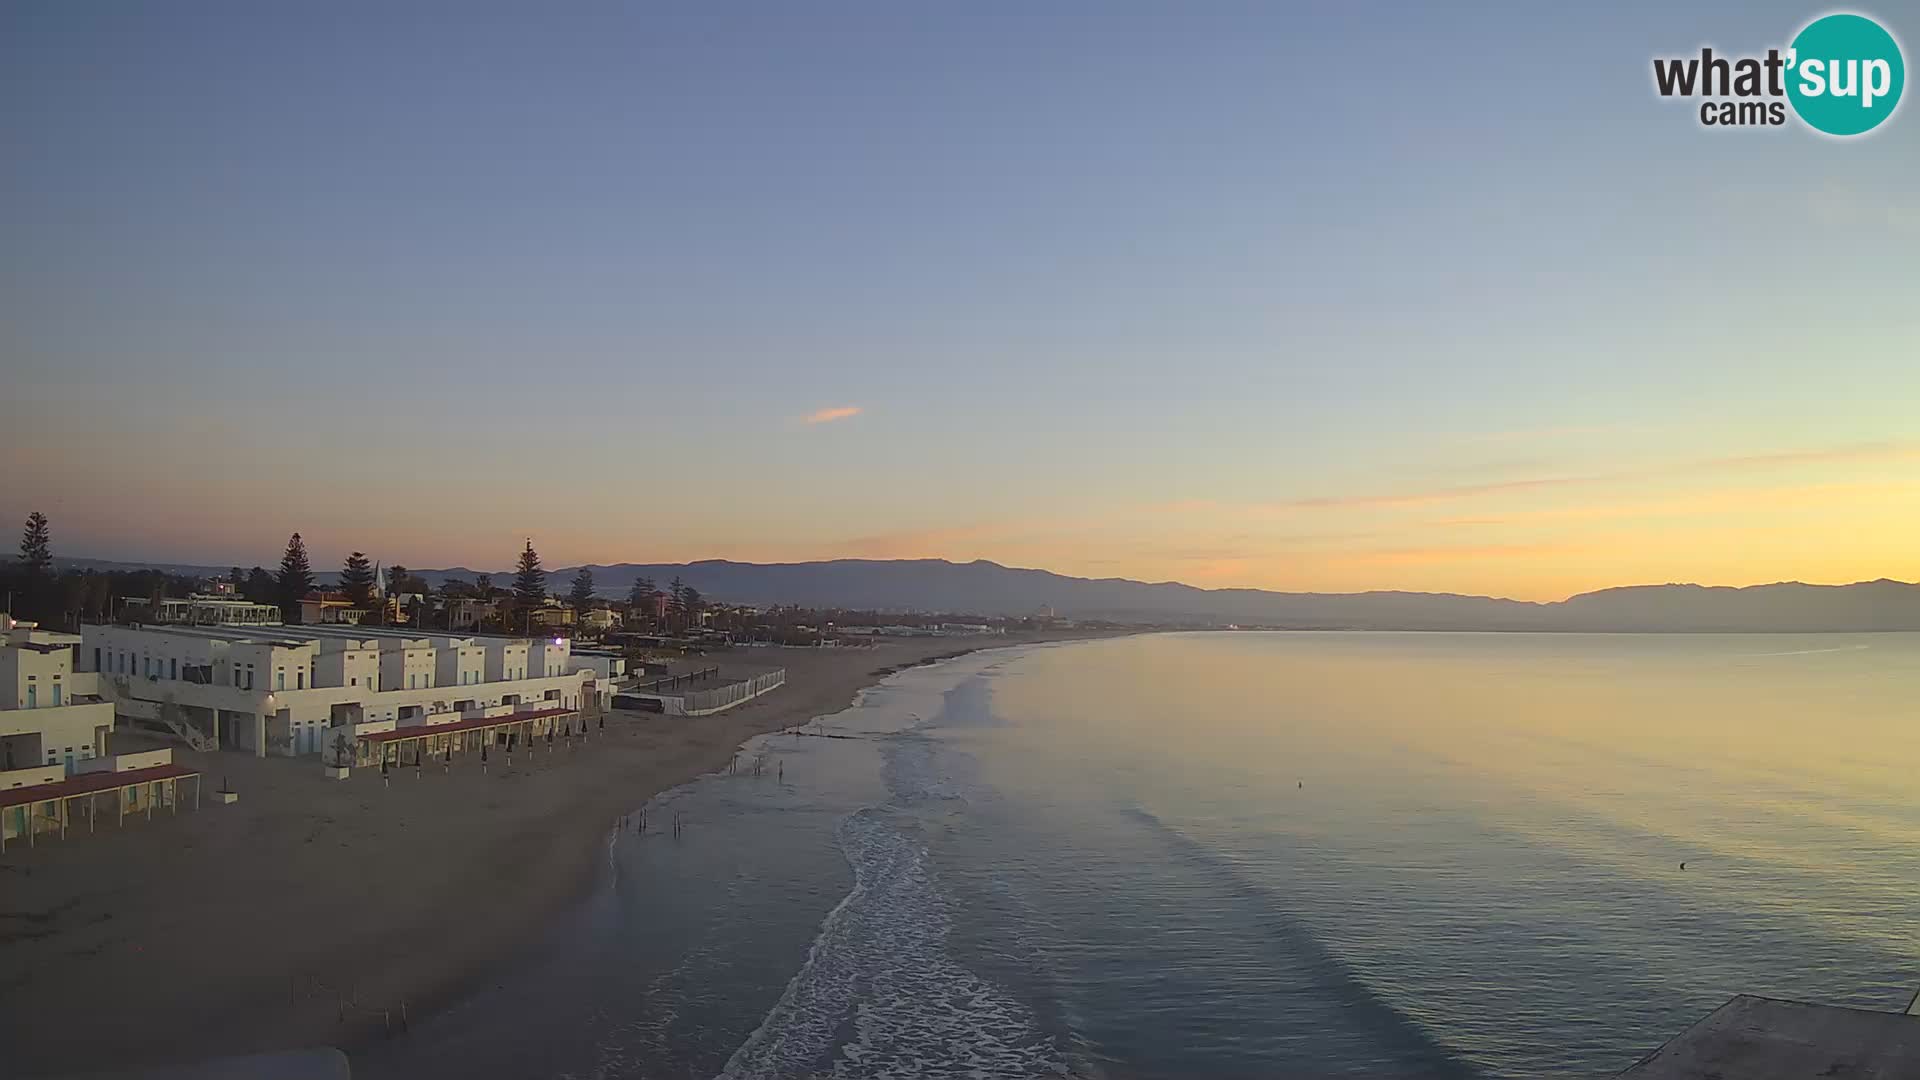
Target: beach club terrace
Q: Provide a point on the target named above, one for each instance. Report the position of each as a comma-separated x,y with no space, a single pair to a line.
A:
438,740
47,799
284,690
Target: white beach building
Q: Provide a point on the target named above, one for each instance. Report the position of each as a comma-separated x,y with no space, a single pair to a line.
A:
50,714
279,690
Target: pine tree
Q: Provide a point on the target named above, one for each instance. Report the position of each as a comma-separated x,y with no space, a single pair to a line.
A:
641,593
260,587
483,585
529,581
677,601
296,578
36,546
235,578
356,579
397,580
692,602
582,592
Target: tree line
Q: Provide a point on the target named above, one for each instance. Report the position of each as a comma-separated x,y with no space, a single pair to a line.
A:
67,598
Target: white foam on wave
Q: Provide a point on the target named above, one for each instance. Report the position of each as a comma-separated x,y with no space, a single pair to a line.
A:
879,995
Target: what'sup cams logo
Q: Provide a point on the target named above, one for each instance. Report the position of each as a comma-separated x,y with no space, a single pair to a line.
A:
1842,75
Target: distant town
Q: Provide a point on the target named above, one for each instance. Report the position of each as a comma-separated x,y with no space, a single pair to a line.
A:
378,669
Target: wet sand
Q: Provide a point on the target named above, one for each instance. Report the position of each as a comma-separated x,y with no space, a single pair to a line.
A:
247,927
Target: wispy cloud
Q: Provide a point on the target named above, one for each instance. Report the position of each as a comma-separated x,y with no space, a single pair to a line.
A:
1417,556
1695,504
1432,495
1863,452
829,415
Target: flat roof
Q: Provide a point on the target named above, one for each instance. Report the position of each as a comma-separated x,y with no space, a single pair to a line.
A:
422,731
272,633
91,783
303,633
1756,1038
352,630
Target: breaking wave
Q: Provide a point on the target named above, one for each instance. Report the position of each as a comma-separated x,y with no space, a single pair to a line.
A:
879,994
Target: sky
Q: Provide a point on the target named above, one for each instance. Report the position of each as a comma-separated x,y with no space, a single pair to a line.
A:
1292,296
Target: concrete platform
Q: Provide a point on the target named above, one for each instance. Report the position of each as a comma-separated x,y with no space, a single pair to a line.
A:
1755,1038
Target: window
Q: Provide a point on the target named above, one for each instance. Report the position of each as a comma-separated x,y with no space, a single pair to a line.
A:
56,694
173,668
280,679
355,681
300,679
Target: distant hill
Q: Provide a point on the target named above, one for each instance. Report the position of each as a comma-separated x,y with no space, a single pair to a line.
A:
988,588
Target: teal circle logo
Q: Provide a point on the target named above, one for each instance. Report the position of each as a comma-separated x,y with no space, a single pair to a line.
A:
1845,74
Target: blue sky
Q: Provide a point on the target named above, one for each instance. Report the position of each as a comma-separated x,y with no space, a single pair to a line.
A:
1218,292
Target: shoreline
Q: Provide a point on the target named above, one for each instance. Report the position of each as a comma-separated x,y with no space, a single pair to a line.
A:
317,912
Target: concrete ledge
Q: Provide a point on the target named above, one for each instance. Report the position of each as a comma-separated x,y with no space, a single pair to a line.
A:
338,772
1753,1038
226,796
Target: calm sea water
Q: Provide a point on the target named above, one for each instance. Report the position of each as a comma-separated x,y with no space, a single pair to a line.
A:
1250,855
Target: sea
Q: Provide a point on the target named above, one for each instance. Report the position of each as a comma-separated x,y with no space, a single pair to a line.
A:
1246,855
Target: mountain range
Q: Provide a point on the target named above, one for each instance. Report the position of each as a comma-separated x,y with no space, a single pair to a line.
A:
987,588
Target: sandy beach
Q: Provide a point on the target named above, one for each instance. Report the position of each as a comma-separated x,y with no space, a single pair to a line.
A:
242,928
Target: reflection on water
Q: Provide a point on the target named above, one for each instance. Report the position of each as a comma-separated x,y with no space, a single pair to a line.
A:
1254,855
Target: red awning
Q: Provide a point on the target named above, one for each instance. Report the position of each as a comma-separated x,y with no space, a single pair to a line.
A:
91,783
422,731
